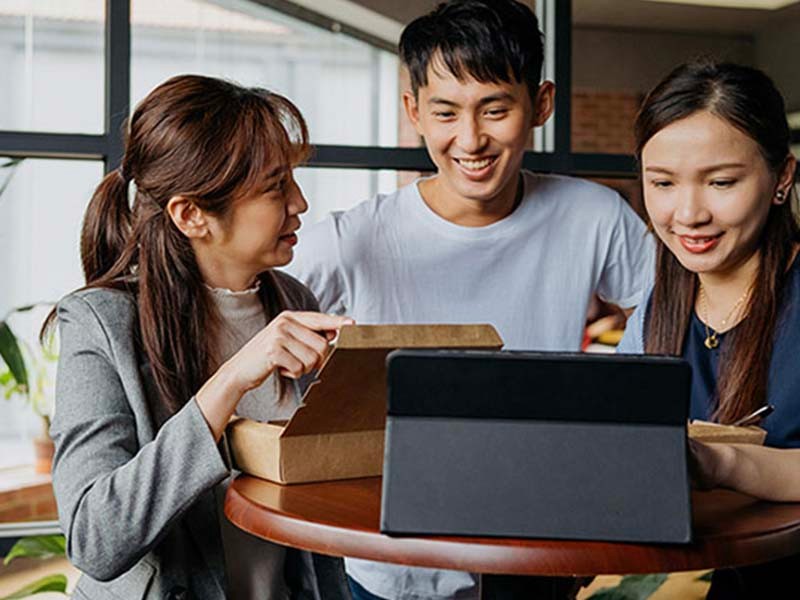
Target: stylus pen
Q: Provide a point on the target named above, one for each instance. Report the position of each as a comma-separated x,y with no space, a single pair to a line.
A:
757,414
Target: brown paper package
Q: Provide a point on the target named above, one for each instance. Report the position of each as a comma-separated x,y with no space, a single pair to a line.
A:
338,431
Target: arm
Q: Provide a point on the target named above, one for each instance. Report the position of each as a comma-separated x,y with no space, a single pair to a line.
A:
294,343
766,473
117,499
632,341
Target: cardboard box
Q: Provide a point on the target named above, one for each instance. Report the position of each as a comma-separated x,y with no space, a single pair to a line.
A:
338,431
710,433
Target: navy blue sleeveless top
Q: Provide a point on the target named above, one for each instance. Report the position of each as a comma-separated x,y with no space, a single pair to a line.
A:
783,387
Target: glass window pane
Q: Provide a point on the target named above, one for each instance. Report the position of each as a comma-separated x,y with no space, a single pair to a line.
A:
40,218
346,89
41,211
611,72
52,56
327,190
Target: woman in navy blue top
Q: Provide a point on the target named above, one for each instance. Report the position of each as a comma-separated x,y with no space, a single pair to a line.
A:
718,173
783,386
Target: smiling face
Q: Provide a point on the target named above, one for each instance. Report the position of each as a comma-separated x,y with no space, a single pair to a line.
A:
257,232
476,134
708,191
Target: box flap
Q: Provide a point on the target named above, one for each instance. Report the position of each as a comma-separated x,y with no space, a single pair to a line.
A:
703,431
350,391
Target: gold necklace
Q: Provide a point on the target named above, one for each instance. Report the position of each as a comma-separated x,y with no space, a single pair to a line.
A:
712,339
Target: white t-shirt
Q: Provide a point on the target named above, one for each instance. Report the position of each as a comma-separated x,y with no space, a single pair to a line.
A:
531,275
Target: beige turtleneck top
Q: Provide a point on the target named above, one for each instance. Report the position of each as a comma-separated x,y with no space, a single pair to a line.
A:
242,316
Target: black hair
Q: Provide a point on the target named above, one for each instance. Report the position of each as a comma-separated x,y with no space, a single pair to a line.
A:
489,40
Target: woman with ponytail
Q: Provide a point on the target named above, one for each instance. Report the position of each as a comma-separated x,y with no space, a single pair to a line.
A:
713,144
183,322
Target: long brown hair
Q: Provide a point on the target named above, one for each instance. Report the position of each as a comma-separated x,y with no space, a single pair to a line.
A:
208,140
748,100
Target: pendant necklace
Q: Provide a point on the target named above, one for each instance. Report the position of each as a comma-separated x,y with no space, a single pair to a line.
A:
712,339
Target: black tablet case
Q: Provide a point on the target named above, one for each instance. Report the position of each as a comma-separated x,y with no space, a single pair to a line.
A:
520,444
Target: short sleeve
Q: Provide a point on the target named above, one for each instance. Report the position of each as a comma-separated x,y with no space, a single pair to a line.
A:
628,269
317,264
632,341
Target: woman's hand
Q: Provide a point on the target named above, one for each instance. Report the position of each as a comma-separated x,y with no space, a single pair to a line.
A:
293,343
707,464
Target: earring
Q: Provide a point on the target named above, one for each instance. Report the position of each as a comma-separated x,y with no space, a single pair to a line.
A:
780,195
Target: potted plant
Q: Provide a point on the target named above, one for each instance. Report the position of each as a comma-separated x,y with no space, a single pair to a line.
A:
24,373
41,547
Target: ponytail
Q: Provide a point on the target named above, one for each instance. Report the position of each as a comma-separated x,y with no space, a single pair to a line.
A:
105,237
106,227
172,298
208,140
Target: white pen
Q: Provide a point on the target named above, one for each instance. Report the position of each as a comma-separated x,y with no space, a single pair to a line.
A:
759,413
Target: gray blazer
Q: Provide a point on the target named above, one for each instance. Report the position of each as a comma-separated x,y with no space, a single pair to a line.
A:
137,502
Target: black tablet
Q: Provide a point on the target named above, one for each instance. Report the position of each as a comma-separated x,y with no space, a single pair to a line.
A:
529,444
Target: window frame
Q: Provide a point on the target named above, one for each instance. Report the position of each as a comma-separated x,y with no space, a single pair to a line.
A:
108,146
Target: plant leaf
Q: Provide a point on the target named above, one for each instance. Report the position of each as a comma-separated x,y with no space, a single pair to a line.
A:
12,354
43,546
49,345
25,308
11,163
632,587
51,583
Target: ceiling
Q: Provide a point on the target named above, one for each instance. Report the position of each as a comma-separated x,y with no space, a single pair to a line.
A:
403,12
640,14
407,10
629,14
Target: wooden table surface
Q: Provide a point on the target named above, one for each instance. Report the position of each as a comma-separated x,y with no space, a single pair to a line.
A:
341,518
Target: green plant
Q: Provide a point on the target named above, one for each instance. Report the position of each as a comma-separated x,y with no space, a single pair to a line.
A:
632,587
40,547
24,372
15,379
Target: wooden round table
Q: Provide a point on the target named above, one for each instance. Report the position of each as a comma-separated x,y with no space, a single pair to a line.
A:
341,518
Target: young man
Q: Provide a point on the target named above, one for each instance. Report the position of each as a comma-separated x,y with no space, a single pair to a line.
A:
480,241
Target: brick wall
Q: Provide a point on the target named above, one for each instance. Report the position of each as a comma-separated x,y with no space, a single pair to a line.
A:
602,121
25,496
